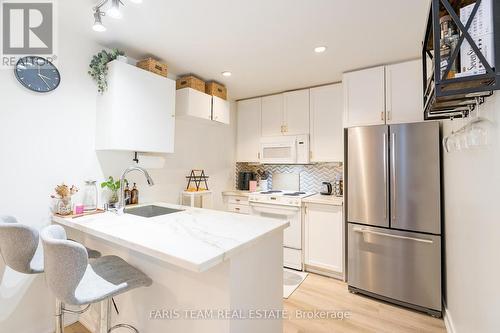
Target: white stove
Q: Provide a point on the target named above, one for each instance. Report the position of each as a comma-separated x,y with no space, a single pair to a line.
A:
285,198
287,206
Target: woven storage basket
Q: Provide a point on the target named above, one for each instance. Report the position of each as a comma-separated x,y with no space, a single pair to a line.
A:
190,81
216,89
154,66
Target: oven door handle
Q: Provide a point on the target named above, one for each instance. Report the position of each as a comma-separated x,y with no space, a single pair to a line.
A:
273,209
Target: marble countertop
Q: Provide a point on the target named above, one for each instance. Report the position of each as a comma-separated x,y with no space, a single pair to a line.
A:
195,239
236,193
324,199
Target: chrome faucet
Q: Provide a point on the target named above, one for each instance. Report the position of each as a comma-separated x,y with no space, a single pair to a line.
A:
121,202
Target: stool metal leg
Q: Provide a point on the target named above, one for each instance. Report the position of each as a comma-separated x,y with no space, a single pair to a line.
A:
105,320
59,317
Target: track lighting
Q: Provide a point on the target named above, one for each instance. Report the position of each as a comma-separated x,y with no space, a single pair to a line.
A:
98,26
112,10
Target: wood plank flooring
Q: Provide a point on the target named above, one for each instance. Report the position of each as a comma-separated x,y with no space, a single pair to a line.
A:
366,315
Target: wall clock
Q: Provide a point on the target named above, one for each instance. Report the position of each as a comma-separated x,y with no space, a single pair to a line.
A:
37,74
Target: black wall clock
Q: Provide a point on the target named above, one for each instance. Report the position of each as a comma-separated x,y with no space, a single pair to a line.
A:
37,74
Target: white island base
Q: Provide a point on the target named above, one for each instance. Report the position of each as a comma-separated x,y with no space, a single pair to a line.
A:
234,295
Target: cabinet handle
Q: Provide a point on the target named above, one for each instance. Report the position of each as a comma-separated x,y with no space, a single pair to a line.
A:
237,200
258,156
237,209
388,115
382,115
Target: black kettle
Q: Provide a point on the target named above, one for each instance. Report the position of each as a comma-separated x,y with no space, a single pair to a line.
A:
329,188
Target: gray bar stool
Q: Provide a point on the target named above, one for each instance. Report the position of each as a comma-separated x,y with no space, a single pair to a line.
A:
21,250
76,281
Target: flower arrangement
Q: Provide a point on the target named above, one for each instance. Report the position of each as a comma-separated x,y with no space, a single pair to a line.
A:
113,186
99,67
63,198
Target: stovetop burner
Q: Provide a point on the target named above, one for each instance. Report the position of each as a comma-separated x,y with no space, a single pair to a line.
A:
295,194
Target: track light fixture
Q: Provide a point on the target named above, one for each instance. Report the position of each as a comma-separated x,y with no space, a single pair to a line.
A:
112,10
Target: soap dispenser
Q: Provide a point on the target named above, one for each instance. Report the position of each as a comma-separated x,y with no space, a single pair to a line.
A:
134,198
128,195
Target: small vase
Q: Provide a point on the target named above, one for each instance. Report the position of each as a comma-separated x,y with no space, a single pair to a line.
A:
113,199
63,206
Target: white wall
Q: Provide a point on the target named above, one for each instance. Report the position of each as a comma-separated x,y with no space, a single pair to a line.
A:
472,229
48,139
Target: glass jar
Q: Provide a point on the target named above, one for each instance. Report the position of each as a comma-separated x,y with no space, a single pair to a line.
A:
90,196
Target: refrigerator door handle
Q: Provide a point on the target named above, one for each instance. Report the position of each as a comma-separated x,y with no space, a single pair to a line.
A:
393,175
385,177
366,231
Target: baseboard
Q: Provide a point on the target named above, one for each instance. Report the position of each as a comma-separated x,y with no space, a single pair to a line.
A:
448,322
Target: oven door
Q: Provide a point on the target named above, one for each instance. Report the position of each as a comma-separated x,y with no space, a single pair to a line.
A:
292,237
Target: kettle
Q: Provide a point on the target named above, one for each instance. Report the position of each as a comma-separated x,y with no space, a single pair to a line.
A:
329,188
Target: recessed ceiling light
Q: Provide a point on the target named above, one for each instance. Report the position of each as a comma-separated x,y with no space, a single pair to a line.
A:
320,49
226,73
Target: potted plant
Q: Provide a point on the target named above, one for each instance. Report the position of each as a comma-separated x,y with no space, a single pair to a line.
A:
99,67
63,196
112,186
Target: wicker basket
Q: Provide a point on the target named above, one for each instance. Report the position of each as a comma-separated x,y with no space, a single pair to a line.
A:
190,81
154,66
216,89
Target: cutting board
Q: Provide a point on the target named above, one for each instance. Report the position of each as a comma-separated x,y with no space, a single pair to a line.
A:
286,181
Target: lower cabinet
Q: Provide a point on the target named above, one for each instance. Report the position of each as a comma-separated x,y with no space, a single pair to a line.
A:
324,235
236,204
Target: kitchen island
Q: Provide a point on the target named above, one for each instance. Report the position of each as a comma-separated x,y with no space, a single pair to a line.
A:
212,271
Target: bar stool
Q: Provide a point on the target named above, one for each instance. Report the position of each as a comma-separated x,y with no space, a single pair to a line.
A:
21,250
76,281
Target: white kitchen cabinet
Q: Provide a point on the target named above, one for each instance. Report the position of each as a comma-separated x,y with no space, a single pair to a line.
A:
404,103
296,112
237,204
364,97
136,112
220,110
326,109
272,115
194,103
324,246
248,133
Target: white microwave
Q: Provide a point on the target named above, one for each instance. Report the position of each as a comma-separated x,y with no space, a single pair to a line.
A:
285,149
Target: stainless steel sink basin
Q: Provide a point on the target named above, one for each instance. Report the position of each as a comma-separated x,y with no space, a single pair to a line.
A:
151,211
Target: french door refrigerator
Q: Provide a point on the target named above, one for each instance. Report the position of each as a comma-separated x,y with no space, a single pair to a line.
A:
394,214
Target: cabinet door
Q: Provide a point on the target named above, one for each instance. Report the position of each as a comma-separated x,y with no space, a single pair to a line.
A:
364,97
324,237
220,110
191,102
404,92
272,115
326,124
248,130
296,112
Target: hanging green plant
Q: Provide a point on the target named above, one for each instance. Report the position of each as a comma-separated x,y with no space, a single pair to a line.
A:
99,67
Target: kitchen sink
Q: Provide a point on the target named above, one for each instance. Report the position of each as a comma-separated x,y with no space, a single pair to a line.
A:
151,211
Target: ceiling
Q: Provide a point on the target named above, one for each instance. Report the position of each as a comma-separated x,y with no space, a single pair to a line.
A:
266,44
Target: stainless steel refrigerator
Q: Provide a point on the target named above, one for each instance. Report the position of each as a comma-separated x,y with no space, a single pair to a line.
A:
394,214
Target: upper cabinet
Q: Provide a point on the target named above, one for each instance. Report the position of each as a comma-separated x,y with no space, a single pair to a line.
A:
326,124
136,112
194,103
286,114
191,102
248,133
383,95
296,112
364,97
220,110
272,115
403,82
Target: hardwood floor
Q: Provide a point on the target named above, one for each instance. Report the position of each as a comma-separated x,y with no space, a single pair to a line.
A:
366,314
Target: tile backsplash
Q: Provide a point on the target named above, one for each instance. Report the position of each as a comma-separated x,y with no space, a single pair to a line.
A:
311,175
